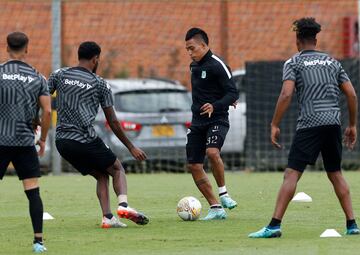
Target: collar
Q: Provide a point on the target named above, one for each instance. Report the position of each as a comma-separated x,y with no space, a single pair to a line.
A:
205,58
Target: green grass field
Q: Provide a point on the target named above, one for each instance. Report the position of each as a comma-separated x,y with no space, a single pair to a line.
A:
72,201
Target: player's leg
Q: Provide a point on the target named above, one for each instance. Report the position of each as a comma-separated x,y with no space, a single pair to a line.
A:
304,150
27,166
195,152
92,158
118,175
202,182
102,191
214,141
332,154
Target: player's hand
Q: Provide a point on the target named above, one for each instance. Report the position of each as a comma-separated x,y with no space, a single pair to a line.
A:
234,104
207,109
41,144
275,133
350,137
138,154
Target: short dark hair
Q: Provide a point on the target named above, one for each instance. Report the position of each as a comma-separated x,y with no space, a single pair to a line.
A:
197,33
17,40
306,28
88,50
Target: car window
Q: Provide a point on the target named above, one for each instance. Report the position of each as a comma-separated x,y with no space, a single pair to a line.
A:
147,101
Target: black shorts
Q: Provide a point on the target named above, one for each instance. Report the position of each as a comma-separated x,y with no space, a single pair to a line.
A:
86,157
24,159
309,142
199,138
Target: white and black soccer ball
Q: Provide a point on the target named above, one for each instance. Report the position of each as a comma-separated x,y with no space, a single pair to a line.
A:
189,208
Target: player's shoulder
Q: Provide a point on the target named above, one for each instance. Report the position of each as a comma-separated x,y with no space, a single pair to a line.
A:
101,81
217,60
28,69
60,71
293,59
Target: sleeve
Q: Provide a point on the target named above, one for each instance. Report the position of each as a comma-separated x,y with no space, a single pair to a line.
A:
105,94
54,79
342,75
44,90
288,71
224,77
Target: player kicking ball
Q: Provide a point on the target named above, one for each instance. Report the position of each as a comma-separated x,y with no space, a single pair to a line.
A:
318,80
79,93
213,91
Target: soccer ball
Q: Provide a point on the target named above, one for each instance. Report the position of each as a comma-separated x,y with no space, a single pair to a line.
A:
189,208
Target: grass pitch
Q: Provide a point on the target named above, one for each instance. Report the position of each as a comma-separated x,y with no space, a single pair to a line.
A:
72,201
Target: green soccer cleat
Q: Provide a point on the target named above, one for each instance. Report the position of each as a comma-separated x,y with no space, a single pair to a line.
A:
215,214
266,233
38,248
352,230
228,202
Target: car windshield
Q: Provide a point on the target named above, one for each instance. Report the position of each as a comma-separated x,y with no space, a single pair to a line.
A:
146,101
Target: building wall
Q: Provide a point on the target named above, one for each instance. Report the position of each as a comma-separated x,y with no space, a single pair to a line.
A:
146,38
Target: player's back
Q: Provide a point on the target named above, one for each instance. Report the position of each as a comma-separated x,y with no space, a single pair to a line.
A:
79,93
317,78
20,87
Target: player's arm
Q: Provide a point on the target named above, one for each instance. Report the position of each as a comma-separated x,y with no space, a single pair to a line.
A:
225,80
351,98
116,128
282,105
45,105
54,79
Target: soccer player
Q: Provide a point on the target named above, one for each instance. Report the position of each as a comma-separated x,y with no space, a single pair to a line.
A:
317,79
79,92
213,90
22,90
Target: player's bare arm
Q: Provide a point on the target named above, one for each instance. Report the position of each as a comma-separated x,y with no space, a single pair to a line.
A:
351,98
45,104
116,128
282,105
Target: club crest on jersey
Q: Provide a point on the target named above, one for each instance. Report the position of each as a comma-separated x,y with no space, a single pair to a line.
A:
203,74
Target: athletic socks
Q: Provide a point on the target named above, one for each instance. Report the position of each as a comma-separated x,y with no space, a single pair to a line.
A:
38,240
36,209
109,216
350,223
123,204
274,223
216,206
222,191
122,199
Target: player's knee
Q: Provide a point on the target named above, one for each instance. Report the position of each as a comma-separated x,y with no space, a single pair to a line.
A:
213,153
292,175
193,167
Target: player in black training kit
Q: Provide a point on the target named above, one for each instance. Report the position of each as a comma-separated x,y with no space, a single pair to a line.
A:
318,80
22,91
79,93
213,91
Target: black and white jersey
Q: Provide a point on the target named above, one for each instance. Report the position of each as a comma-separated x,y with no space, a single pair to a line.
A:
20,88
212,82
79,93
317,79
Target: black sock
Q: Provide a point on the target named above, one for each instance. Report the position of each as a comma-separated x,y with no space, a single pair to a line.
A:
221,194
349,223
36,209
274,223
217,206
109,216
123,204
38,240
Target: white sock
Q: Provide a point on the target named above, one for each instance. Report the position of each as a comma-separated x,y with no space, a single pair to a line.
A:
222,191
122,199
